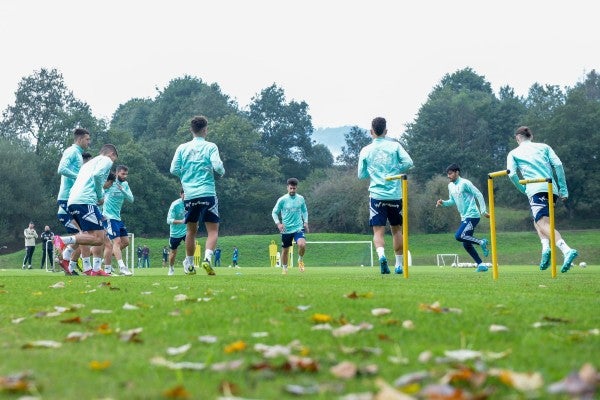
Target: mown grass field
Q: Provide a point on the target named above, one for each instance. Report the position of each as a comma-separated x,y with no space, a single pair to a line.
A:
127,326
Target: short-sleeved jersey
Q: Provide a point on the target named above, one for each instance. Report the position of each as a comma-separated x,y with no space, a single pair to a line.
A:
176,212
293,212
380,159
114,197
536,160
194,163
87,188
465,196
68,168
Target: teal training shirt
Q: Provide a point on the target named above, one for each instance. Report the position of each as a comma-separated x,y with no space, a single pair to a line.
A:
68,168
176,212
536,160
195,163
293,212
87,188
465,196
379,159
114,197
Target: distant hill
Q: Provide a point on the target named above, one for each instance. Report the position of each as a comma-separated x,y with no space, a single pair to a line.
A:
333,138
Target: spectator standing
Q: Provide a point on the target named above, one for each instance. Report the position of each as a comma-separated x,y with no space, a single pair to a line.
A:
218,257
145,257
30,236
139,256
47,247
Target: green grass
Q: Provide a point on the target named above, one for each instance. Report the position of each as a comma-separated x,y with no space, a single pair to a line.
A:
240,302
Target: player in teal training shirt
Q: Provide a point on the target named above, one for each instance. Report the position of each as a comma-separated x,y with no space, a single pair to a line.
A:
538,160
378,160
465,196
177,229
195,163
291,217
114,197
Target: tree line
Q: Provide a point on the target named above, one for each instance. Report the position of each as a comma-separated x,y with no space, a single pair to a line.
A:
463,121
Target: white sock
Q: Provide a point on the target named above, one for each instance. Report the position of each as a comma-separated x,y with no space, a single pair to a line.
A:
208,253
399,260
72,265
563,246
97,263
87,265
69,239
121,264
189,260
545,245
299,258
284,266
67,253
380,252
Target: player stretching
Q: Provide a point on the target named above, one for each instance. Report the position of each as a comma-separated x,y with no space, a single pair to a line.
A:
536,160
87,192
195,163
177,229
115,228
377,160
68,169
465,196
292,224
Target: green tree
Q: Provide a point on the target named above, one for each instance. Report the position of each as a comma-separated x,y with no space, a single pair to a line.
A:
320,157
285,129
355,140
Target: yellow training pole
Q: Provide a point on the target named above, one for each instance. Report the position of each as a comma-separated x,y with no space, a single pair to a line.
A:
404,220
551,209
491,177
197,252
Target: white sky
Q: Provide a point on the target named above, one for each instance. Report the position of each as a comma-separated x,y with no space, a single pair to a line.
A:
349,60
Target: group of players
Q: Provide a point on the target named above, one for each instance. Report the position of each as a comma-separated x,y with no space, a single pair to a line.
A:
86,187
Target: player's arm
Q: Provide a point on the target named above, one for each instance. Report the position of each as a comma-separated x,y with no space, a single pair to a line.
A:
63,166
480,200
217,163
304,210
512,175
406,162
176,163
275,216
363,172
561,179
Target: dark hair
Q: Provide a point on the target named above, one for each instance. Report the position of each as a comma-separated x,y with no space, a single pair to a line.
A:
198,123
378,125
111,176
292,182
524,131
109,148
86,156
452,167
122,168
79,132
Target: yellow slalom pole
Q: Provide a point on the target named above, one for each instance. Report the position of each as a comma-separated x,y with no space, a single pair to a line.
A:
197,251
404,178
491,177
552,225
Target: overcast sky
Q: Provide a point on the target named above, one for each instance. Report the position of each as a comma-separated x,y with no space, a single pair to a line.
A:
349,60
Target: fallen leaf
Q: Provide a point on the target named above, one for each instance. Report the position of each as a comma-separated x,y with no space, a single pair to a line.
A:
49,344
523,382
321,318
237,346
131,335
128,306
173,351
581,385
227,366
259,334
96,311
99,365
321,327
463,355
77,336
303,308
437,308
178,392
229,389
58,285
207,339
387,392
272,351
17,383
425,356
163,362
74,320
344,370
498,328
408,325
18,320
380,311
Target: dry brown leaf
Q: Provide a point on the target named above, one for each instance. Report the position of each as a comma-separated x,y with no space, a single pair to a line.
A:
17,383
380,311
131,335
387,392
77,336
178,392
74,320
344,370
523,382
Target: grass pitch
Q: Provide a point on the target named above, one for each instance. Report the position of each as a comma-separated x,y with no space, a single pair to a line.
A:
133,332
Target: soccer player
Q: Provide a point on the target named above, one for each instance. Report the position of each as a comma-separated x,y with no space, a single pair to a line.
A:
68,168
234,258
177,229
116,230
86,194
291,217
465,196
377,160
195,163
537,160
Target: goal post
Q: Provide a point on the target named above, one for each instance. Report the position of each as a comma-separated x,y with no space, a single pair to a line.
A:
345,253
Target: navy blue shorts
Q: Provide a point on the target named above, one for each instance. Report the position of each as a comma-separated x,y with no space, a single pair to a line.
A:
114,228
175,242
87,216
381,211
202,209
540,206
287,238
65,218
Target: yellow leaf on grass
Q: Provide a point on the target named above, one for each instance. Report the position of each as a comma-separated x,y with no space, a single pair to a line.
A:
240,345
99,365
321,318
178,392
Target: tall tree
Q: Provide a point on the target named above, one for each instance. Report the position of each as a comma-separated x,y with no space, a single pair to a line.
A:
46,112
355,139
285,128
